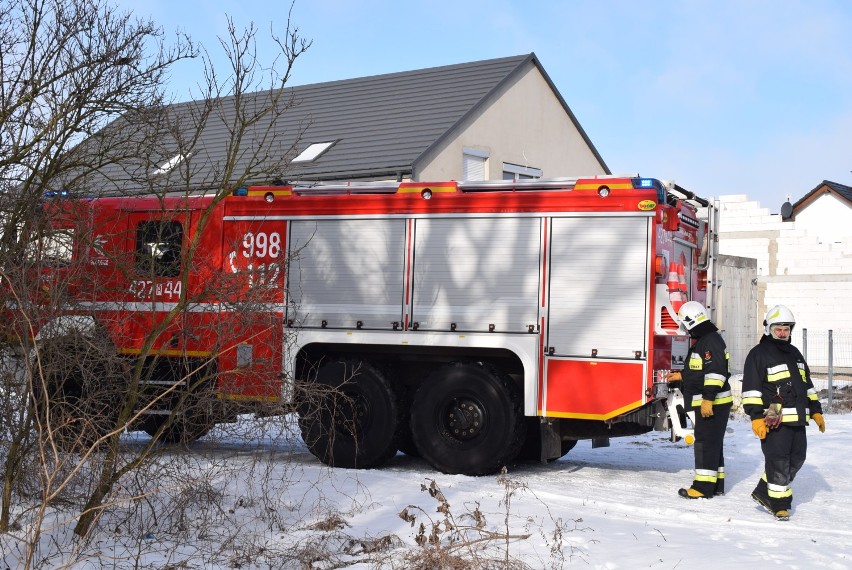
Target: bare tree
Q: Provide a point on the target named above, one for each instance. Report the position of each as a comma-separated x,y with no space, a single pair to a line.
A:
83,112
68,68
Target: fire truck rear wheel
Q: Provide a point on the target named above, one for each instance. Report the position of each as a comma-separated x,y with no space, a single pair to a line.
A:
468,418
78,388
349,416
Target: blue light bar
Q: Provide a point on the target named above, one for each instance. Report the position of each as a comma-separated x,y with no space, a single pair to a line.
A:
241,192
647,184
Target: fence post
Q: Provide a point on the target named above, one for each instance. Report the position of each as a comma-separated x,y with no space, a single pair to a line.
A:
830,367
805,344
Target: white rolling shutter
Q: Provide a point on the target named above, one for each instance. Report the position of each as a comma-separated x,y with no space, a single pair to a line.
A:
476,272
599,286
474,162
345,271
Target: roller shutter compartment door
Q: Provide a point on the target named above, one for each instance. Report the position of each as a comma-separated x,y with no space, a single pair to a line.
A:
345,271
476,272
599,286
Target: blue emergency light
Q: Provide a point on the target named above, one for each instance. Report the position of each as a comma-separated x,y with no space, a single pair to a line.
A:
646,183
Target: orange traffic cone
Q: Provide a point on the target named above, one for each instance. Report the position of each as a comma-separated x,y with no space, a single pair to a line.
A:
681,280
674,288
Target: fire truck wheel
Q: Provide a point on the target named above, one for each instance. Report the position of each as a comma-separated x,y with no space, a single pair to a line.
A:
78,388
468,418
349,416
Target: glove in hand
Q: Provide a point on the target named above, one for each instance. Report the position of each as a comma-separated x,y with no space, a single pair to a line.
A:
674,376
707,408
759,428
820,421
773,415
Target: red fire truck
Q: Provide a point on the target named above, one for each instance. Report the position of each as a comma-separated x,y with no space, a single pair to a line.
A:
470,323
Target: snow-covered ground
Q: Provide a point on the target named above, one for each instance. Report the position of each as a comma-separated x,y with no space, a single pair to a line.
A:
269,504
627,511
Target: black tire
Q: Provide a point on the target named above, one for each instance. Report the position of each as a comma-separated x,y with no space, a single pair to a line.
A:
467,418
567,445
349,416
78,390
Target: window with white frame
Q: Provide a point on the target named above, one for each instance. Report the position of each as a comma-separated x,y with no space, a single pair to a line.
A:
475,164
518,172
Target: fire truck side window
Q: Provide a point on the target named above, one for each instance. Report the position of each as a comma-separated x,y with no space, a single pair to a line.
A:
53,249
158,247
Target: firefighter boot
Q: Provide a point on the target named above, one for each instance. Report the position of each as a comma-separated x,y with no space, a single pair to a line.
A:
780,515
690,493
760,500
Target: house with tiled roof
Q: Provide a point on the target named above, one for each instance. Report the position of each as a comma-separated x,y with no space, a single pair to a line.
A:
494,119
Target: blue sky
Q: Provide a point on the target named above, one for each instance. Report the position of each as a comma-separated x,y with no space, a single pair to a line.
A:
725,96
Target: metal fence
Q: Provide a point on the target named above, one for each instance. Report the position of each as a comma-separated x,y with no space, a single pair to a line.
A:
829,356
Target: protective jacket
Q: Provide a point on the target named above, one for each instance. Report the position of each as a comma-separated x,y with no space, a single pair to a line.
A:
705,376
775,371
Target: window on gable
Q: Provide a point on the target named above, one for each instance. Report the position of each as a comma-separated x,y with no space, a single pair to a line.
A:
474,164
313,152
518,172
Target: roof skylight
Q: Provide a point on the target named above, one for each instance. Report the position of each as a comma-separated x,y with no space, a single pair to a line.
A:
313,152
168,166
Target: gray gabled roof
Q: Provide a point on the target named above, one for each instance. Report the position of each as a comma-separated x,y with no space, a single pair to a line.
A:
381,124
384,123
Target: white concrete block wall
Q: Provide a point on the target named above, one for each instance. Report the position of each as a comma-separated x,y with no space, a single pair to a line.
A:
812,258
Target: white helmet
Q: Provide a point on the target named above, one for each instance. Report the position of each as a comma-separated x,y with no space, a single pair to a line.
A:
691,314
778,315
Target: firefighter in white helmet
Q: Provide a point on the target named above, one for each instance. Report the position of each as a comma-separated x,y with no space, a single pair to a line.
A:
780,399
706,390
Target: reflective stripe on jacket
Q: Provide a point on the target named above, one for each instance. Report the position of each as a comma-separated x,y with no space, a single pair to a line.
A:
705,376
777,371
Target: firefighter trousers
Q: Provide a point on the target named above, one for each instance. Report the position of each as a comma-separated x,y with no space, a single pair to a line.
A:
709,453
784,451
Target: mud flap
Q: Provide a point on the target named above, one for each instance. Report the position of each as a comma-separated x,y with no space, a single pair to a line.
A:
679,419
551,442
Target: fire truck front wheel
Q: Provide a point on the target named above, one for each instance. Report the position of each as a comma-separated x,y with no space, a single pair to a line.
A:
77,390
349,416
468,418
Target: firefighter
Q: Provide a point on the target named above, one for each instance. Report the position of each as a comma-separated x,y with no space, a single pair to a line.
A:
780,399
707,392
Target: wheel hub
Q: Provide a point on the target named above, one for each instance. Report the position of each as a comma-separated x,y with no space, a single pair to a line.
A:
464,419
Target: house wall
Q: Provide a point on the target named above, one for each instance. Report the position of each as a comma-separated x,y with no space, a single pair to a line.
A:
805,264
524,124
